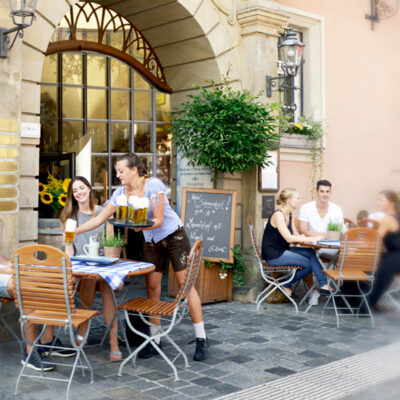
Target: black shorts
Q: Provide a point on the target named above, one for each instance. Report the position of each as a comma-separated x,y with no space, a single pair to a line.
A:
175,248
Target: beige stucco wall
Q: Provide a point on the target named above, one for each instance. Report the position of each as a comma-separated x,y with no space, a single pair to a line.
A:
362,104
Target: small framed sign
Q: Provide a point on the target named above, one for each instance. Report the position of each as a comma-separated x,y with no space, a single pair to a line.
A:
268,177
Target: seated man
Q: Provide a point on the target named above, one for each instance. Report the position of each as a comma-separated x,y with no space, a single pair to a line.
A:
6,290
314,218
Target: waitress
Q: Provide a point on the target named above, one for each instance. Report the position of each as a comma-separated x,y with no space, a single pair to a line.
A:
164,240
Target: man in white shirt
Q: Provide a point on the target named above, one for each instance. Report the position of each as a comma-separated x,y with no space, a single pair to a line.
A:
315,216
313,221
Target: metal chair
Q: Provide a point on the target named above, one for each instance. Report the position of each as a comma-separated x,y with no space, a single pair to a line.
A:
268,273
359,255
3,315
165,311
42,280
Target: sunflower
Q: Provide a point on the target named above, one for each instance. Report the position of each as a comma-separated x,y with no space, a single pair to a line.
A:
62,199
46,198
66,184
42,187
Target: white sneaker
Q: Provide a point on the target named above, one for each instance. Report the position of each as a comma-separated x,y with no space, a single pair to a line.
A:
313,299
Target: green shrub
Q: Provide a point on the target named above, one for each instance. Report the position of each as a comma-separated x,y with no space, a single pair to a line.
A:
334,226
113,241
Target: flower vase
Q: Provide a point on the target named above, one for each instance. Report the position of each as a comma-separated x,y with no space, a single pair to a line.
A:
112,252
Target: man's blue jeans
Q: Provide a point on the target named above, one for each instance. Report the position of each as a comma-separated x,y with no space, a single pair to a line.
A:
303,257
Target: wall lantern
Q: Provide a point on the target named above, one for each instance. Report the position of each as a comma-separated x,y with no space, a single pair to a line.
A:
291,54
23,15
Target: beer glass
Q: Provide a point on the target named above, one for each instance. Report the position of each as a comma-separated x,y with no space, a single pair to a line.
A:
70,228
146,204
122,213
138,216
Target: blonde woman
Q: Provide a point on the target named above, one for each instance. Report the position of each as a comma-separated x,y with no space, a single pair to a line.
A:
80,206
280,232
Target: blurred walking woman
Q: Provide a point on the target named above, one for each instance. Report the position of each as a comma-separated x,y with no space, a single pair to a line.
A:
81,207
279,232
166,239
389,230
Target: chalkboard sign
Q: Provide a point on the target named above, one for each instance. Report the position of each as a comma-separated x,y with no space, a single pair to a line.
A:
209,215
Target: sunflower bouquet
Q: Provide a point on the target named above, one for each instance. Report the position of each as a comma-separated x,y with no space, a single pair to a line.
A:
54,193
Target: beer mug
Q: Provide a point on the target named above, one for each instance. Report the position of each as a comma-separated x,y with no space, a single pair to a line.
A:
146,205
92,249
131,210
138,217
122,213
122,208
70,228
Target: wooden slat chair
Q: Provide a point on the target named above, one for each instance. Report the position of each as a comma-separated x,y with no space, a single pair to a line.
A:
167,311
368,223
42,281
360,251
3,315
268,273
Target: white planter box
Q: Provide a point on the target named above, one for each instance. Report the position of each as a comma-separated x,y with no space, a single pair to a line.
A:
296,141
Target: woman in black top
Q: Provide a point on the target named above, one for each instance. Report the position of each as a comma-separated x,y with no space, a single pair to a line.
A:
280,232
389,230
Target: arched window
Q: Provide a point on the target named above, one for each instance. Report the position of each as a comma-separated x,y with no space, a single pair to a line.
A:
95,105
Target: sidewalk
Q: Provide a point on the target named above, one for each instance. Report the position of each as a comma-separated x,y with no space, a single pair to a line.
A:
249,348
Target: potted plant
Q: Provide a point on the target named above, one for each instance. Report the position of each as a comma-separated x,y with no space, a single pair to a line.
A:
224,129
113,244
333,230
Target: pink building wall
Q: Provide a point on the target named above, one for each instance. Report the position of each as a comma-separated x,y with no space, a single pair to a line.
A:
362,89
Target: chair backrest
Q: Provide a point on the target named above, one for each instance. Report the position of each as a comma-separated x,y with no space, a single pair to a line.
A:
360,249
349,223
192,271
368,223
42,279
254,243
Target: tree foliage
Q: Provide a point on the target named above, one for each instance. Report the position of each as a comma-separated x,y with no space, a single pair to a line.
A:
224,129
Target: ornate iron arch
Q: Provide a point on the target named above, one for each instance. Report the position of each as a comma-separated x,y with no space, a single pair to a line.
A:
102,19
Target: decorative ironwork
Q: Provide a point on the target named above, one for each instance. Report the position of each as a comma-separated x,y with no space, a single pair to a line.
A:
100,20
381,9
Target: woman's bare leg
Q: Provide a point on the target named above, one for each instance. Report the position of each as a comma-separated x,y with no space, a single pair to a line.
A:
87,293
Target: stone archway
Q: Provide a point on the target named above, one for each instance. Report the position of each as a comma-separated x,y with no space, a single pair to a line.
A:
192,41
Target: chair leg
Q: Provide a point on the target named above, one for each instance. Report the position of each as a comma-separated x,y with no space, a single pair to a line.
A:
180,352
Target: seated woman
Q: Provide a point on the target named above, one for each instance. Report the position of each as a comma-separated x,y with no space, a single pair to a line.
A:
80,206
279,232
389,230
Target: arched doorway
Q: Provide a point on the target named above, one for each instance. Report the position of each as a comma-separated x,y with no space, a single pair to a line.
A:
100,97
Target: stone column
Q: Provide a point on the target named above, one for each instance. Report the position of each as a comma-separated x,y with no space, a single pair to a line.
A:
261,24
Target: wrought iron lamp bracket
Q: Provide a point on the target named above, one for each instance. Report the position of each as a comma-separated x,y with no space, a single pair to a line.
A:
5,39
277,83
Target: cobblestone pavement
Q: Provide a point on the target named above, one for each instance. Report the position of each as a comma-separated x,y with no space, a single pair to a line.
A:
248,347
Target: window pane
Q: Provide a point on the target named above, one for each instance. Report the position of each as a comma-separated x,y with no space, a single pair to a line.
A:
139,82
50,69
164,168
116,40
97,131
49,102
72,103
72,68
72,131
99,165
97,104
119,74
120,101
120,138
96,71
163,142
114,180
142,106
148,164
142,138
163,107
49,136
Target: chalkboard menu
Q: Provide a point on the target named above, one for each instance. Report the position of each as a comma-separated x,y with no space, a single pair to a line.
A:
209,215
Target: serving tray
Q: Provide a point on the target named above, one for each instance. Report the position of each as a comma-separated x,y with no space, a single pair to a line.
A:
95,260
130,224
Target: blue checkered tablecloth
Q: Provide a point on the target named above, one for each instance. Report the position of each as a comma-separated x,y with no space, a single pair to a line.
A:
113,274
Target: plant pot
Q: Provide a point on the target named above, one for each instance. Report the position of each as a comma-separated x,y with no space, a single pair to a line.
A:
112,251
333,235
